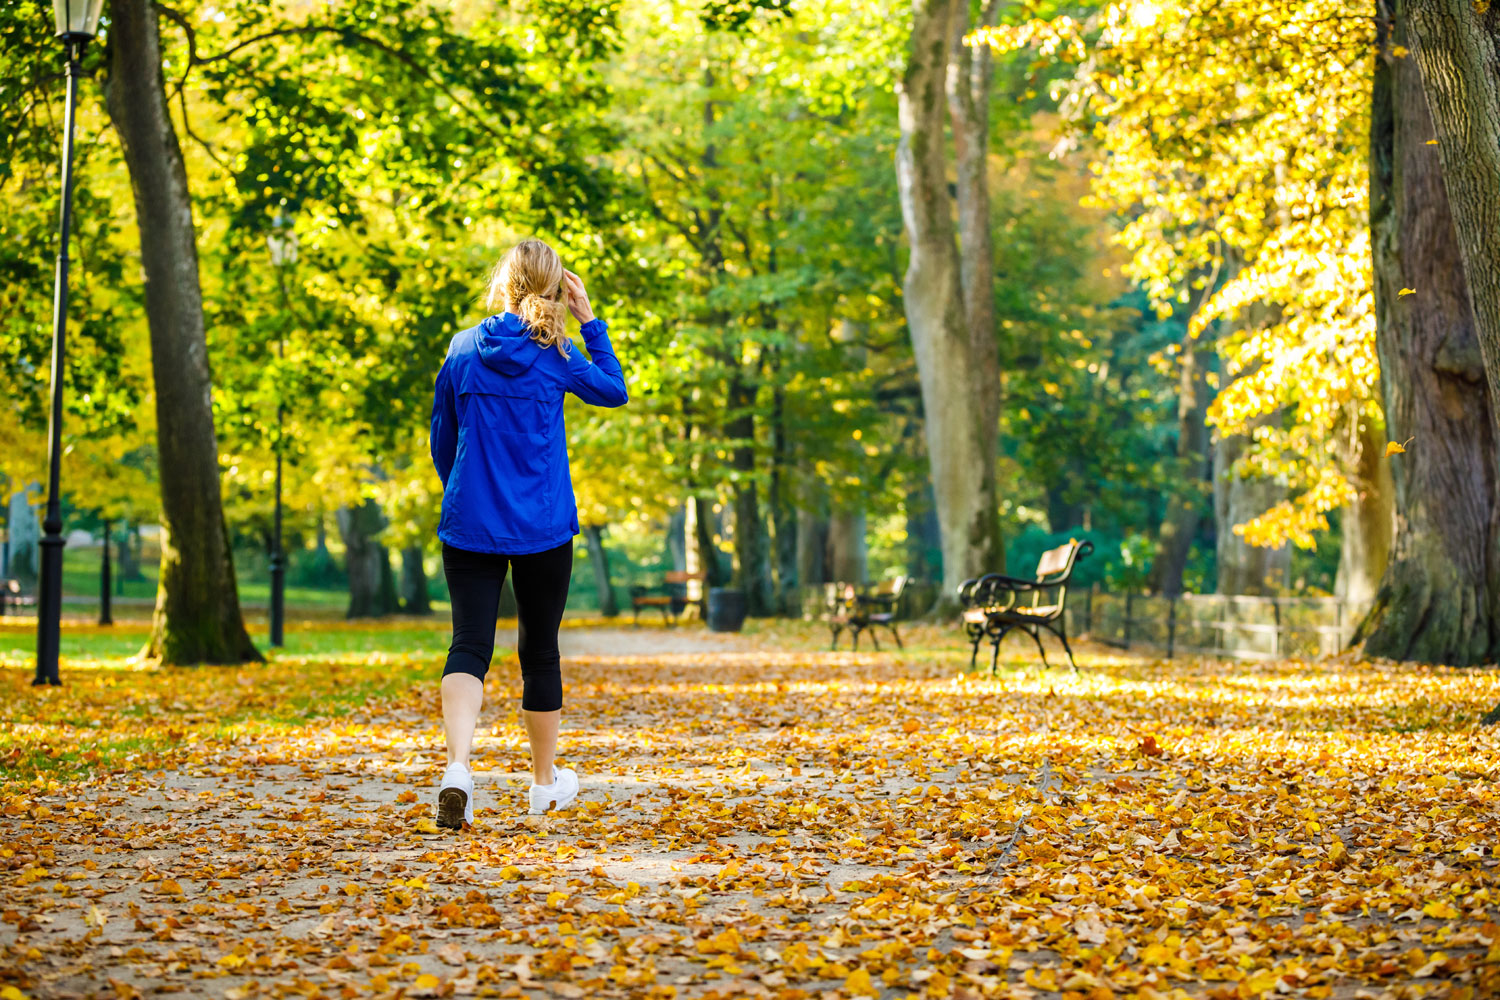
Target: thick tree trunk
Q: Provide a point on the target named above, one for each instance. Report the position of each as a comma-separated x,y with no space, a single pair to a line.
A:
414,600
197,617
848,550
593,535
752,552
812,548
1457,48
1439,601
1179,526
1368,521
372,590
1243,568
970,71
958,380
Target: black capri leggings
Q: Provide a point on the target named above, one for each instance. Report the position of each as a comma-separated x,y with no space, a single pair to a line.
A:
540,581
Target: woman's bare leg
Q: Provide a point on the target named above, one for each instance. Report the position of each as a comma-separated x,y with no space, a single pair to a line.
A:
541,732
463,697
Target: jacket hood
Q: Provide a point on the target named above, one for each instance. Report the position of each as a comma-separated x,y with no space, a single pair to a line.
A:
505,345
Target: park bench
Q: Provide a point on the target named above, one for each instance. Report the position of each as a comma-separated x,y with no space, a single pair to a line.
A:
12,596
854,609
670,596
994,604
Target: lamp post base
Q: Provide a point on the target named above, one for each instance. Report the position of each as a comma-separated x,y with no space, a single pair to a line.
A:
49,609
278,601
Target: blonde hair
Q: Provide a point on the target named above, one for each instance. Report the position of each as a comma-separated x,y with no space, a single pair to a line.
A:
528,281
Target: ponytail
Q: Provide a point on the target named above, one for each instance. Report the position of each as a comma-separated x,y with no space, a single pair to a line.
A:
528,281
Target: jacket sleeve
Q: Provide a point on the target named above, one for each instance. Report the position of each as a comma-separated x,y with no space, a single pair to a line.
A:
444,424
600,382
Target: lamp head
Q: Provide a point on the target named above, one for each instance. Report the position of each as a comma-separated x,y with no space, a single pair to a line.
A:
77,20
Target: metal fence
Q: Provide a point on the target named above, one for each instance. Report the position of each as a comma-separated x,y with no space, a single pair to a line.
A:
1248,628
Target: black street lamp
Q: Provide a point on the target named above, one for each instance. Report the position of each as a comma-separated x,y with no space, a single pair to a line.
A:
106,617
77,22
282,243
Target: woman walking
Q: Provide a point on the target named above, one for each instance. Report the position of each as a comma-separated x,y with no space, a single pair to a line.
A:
500,448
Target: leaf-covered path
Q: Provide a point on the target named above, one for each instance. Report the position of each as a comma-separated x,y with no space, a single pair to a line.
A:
761,817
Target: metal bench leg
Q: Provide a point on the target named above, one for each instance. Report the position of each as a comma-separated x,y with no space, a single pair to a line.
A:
875,639
854,634
836,631
899,644
995,655
974,649
1036,637
1063,635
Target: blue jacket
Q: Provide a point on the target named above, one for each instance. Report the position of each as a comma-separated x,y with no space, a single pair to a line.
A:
497,434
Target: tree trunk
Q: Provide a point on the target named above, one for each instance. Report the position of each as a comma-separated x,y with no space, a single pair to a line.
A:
593,535
1179,526
703,553
752,555
783,515
1244,568
197,618
1457,48
957,383
1439,600
1368,520
372,591
812,548
848,552
970,71
677,539
23,536
414,600
128,557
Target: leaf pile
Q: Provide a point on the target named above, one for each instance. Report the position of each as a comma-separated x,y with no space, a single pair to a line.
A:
761,822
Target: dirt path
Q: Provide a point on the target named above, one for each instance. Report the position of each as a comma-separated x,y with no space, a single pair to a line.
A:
792,824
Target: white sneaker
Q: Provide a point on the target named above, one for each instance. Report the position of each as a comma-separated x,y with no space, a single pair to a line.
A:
456,797
558,795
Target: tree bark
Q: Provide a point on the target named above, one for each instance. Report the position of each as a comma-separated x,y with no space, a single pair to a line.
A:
414,600
783,514
1244,568
1457,48
812,548
677,539
1184,514
1439,601
593,535
1368,521
958,381
703,521
197,618
372,590
848,550
752,557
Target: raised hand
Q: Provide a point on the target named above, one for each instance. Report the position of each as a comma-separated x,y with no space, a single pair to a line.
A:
578,298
